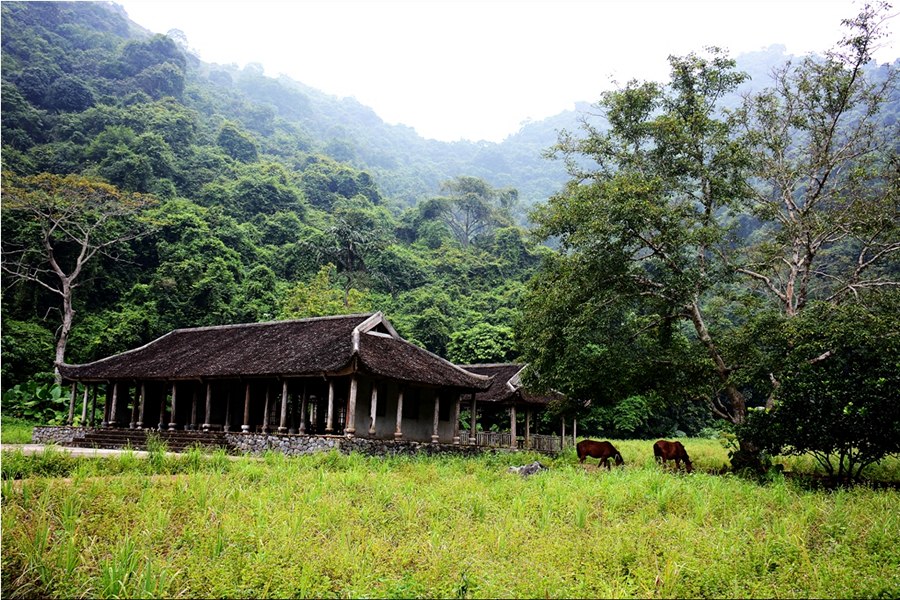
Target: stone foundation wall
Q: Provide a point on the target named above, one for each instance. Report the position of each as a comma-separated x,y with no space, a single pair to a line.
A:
295,445
56,435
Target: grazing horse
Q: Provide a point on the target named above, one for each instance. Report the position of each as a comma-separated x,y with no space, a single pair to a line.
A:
602,450
664,451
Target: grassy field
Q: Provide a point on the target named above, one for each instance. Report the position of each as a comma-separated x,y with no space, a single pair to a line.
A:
336,526
15,431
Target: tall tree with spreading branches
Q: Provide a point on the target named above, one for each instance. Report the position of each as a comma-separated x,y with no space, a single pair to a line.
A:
54,226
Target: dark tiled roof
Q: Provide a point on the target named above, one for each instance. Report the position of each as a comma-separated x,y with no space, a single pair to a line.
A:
505,385
299,347
397,358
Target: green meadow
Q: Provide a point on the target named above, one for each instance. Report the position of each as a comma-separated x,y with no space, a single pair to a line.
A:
330,525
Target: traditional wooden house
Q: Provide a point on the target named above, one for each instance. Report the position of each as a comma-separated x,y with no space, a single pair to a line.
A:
507,393
349,375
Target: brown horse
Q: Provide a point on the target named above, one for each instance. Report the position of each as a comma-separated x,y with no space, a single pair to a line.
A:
664,451
602,450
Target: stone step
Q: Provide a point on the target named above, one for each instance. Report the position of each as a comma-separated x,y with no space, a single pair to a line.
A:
175,440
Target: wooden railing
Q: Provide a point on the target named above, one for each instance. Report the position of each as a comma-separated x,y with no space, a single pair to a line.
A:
544,443
494,439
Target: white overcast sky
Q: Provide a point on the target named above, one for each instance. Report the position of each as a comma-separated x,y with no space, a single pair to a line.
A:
477,70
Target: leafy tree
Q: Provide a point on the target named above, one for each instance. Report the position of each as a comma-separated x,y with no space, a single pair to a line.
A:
161,80
469,209
321,297
160,49
826,174
641,235
358,232
69,94
236,143
63,223
27,349
483,343
837,387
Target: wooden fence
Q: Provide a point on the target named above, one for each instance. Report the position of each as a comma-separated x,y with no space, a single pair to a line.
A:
541,443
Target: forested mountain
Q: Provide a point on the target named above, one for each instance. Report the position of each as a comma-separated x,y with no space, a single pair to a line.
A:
146,190
250,203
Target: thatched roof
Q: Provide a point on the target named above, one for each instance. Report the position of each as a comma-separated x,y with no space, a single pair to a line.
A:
304,347
506,385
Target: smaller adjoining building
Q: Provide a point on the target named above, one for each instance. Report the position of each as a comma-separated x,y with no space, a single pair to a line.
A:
350,376
508,394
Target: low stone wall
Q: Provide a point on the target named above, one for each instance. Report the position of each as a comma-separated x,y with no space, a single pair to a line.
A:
295,445
292,444
57,435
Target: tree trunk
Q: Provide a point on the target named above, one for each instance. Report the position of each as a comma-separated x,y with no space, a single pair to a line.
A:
65,329
738,409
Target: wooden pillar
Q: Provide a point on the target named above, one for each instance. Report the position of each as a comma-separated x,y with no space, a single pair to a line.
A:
373,408
194,410
562,439
329,416
350,428
143,401
135,407
227,425
456,420
162,410
113,417
282,427
206,421
574,431
512,426
398,431
245,427
304,409
172,423
528,428
71,418
93,405
84,407
434,430
293,404
473,428
266,406
105,421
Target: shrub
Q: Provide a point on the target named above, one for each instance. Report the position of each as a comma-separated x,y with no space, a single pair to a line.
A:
837,395
37,402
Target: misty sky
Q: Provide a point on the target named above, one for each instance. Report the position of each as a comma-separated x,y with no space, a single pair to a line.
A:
477,70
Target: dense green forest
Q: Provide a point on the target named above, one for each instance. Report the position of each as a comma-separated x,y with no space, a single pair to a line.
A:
250,208
663,282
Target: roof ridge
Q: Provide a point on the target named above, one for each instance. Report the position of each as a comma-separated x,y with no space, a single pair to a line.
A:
112,356
275,322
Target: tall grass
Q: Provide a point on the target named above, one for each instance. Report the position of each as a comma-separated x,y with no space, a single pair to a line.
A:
351,526
15,431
